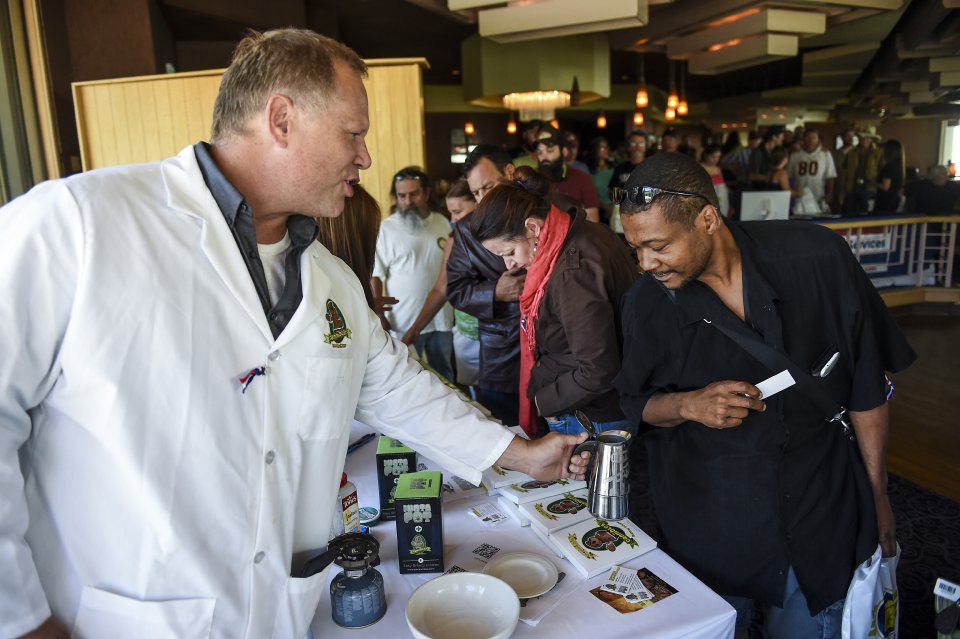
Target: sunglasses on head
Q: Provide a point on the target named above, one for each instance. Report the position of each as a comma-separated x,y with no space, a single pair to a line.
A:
644,195
410,175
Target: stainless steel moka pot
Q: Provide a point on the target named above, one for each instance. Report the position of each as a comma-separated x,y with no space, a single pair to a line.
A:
608,479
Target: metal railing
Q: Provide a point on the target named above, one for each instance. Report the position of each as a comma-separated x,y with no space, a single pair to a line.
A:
903,251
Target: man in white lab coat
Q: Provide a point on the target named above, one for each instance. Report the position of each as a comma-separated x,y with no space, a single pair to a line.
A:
181,364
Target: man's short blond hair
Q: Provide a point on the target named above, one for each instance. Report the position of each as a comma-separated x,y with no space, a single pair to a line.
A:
295,62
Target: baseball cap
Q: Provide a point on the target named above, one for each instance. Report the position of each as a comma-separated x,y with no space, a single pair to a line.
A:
549,135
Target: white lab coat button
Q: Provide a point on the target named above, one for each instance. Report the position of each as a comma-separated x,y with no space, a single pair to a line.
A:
270,457
274,356
259,557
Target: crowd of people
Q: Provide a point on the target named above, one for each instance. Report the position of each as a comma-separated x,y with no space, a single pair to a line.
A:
188,341
635,332
855,174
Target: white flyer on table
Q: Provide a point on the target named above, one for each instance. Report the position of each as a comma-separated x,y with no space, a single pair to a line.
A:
626,583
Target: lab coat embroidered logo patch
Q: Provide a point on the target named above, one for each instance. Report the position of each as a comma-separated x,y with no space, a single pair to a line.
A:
338,326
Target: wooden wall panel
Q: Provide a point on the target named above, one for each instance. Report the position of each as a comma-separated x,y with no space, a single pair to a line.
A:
396,137
142,119
148,118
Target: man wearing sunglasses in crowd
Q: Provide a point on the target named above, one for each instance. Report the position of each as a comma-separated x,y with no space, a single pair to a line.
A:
409,257
764,498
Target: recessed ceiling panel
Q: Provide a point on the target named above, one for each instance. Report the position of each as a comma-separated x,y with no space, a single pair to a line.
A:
738,54
754,21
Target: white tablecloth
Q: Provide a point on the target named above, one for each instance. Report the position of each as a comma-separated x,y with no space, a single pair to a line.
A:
694,611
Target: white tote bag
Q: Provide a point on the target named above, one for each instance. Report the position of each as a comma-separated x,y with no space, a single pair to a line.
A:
872,607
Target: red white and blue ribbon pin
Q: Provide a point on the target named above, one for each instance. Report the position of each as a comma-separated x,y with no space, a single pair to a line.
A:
247,378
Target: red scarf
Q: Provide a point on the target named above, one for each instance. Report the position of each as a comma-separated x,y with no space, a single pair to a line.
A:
552,236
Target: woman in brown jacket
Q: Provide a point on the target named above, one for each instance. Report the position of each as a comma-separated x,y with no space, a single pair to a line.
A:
570,334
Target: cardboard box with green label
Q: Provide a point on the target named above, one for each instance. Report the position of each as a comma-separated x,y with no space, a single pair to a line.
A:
393,459
417,507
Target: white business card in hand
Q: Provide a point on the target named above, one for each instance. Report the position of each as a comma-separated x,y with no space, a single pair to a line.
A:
773,385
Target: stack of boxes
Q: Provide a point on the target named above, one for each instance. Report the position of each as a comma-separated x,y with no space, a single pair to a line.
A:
414,500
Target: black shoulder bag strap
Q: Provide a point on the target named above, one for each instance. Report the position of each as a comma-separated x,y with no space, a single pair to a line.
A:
775,360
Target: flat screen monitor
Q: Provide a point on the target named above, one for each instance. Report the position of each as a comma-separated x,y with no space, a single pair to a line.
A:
765,205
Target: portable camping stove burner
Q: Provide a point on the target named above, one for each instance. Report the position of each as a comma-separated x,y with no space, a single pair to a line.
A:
357,593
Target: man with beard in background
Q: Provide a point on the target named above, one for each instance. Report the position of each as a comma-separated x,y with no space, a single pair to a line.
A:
565,179
408,259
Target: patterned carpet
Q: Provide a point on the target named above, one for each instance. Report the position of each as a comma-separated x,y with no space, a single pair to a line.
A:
928,528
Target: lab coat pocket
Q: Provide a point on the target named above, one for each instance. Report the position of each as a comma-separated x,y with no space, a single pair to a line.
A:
299,605
105,614
328,398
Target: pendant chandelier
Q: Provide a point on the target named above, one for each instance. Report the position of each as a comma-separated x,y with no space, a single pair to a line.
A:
536,105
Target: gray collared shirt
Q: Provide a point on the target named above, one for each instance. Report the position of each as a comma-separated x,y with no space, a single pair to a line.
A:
239,217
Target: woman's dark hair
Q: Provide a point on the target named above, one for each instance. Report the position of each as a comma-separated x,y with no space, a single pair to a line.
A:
352,236
502,212
892,151
731,144
892,154
593,159
708,150
460,188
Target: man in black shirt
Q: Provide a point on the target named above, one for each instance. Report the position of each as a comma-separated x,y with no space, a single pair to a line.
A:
762,498
637,148
760,157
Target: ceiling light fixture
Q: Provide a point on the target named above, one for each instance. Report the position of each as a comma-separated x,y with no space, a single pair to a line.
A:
637,119
672,99
670,114
682,106
468,128
601,121
536,105
643,98
511,125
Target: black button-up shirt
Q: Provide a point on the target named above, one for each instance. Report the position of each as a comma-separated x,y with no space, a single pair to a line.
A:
739,506
239,216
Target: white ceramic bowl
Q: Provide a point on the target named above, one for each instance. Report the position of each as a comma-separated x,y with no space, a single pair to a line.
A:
463,605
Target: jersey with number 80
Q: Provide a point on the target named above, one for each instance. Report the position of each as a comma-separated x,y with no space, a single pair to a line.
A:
811,170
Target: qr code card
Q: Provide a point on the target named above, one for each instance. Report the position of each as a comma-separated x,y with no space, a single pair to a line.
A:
489,514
